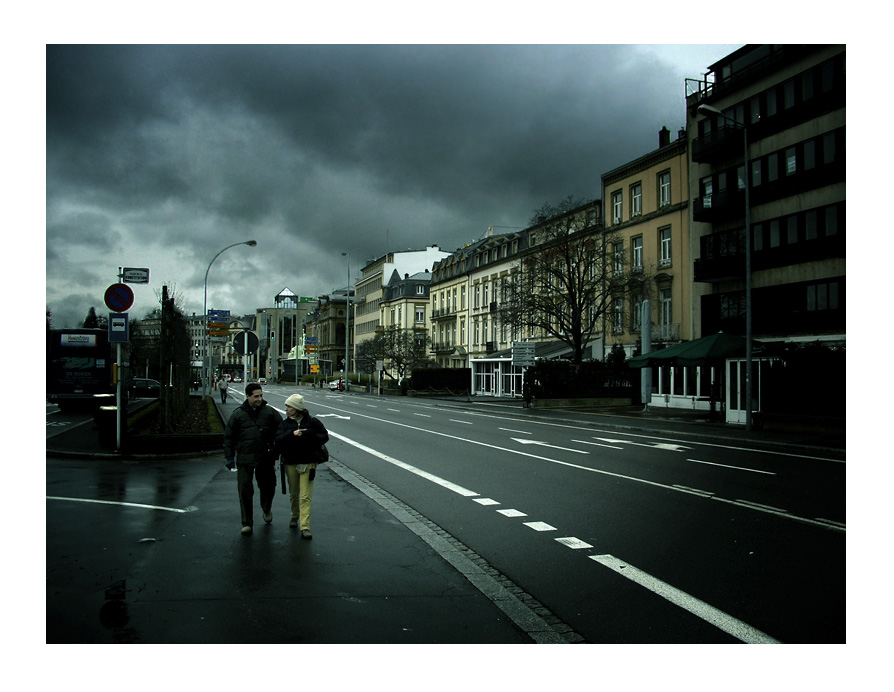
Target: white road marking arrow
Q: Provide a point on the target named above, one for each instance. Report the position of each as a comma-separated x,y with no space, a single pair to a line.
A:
332,415
544,444
659,445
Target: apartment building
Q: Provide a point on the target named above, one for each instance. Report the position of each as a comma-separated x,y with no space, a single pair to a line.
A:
789,101
404,302
369,287
449,319
647,221
327,325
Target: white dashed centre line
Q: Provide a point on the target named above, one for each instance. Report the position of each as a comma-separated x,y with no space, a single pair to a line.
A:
540,526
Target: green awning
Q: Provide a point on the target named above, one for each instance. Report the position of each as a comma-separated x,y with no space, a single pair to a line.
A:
708,350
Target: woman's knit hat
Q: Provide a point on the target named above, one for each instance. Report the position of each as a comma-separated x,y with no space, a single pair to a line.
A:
296,401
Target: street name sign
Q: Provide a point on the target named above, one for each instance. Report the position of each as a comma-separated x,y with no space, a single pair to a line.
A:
133,275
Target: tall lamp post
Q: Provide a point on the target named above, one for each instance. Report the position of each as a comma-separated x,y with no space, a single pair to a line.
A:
347,318
705,109
206,375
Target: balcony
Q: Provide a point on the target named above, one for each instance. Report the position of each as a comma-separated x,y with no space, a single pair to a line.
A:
442,347
443,313
718,207
722,144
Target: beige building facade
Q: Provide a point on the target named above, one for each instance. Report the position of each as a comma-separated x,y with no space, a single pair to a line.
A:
647,219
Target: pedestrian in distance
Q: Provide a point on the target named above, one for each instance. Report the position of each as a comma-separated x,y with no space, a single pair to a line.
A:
299,441
248,444
223,386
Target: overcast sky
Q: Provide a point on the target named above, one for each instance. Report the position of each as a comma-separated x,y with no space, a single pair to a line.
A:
160,156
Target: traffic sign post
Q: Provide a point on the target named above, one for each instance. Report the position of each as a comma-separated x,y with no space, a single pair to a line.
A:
523,353
118,298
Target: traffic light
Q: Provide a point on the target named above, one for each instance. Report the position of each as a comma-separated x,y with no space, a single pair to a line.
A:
272,336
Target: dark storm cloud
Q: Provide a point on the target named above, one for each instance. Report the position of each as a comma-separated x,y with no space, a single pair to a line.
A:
180,150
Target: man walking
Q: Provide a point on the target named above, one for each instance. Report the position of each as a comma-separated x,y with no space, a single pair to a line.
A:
248,442
223,386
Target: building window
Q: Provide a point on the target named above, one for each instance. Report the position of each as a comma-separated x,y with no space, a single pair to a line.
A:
636,316
664,239
791,226
617,206
809,154
822,296
755,173
791,161
637,254
636,200
665,315
772,168
420,290
811,225
664,189
618,315
619,258
420,314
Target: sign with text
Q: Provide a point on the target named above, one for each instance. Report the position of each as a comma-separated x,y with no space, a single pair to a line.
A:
523,353
134,275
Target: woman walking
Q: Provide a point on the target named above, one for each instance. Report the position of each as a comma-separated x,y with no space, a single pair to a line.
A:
298,441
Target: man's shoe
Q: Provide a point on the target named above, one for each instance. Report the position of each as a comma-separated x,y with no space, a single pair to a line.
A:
306,534
268,517
246,530
293,524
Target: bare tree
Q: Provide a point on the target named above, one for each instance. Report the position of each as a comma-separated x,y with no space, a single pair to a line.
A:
566,281
405,350
368,353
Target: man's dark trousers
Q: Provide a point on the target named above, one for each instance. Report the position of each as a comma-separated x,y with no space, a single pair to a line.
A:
265,475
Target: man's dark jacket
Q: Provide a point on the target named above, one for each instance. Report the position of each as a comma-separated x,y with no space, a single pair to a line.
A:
249,434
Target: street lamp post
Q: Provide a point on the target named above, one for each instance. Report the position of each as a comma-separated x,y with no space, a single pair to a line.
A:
347,318
206,375
705,109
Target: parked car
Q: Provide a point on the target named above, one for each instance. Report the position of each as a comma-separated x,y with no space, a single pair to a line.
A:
142,388
336,385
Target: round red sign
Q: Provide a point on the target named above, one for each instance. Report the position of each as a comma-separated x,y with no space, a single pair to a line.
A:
119,297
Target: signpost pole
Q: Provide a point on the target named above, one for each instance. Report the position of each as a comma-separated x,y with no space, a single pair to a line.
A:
120,400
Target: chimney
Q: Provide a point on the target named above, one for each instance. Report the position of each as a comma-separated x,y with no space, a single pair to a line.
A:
664,137
682,133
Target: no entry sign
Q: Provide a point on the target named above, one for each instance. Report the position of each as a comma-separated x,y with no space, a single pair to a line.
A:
119,298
